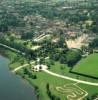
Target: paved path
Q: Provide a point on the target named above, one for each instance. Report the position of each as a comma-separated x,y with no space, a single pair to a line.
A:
71,79
22,66
58,75
15,50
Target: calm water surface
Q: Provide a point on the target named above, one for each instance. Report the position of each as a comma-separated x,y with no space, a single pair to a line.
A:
12,87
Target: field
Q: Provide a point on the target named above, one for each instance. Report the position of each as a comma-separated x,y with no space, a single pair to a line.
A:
62,88
58,85
72,91
42,80
88,66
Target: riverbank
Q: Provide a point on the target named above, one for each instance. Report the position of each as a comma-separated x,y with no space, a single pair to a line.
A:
43,80
12,87
40,88
15,58
14,64
36,89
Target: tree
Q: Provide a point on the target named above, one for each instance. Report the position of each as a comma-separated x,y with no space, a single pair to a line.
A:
61,41
3,27
62,60
73,57
47,86
94,28
27,35
55,56
94,43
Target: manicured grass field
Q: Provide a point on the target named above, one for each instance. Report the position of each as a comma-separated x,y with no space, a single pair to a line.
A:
44,78
41,82
63,69
88,66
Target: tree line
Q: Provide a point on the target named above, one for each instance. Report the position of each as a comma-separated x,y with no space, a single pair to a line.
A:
28,52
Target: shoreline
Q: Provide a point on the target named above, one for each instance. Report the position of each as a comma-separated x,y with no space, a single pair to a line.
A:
2,53
36,89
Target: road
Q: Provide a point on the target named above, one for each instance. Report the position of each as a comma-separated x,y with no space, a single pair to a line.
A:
22,66
15,50
69,78
58,75
49,72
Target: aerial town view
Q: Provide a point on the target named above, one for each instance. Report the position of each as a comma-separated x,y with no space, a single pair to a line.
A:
48,49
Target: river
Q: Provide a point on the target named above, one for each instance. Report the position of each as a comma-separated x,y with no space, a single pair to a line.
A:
13,87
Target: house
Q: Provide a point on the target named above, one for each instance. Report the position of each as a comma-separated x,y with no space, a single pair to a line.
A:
39,67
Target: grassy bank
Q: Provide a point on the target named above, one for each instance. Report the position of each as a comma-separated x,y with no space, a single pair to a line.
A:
43,78
40,83
15,59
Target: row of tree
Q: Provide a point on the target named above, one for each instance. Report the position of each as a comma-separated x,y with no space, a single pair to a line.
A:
28,52
29,73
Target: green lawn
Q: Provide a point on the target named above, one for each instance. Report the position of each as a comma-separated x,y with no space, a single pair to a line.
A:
63,69
44,78
88,66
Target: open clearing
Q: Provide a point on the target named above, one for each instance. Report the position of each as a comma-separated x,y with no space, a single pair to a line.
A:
88,66
78,42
